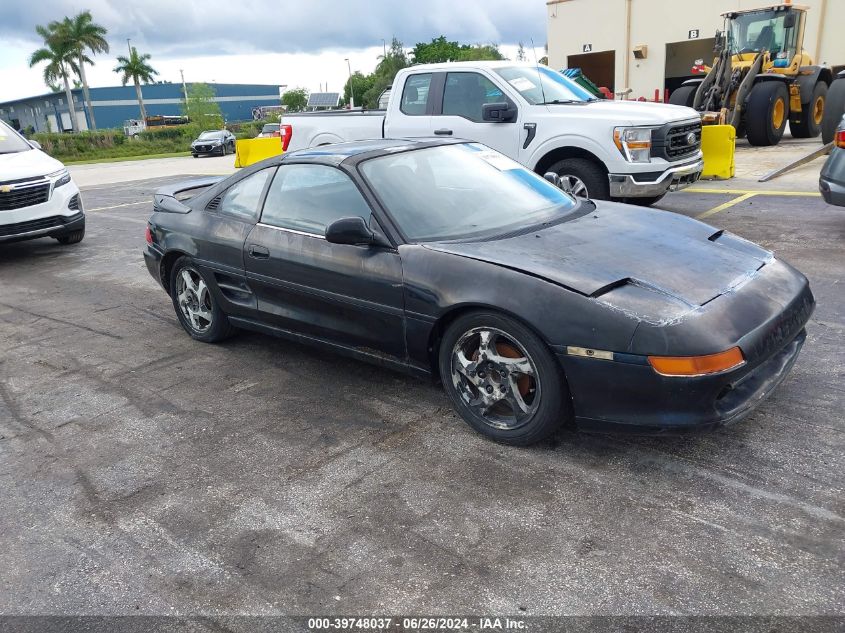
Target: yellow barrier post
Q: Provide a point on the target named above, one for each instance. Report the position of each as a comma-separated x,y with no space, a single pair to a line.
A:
718,144
253,150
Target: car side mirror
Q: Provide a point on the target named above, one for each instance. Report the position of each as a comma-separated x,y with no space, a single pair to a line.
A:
501,112
34,144
553,178
351,231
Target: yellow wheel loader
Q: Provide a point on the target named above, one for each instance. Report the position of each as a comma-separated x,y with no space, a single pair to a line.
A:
761,77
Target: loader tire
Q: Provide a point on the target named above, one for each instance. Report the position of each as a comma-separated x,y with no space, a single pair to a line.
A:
683,96
808,122
766,113
834,108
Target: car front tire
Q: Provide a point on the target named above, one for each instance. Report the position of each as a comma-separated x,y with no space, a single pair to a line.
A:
197,310
71,238
502,379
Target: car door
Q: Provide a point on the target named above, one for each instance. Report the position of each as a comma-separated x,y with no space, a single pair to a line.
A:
458,112
347,295
223,227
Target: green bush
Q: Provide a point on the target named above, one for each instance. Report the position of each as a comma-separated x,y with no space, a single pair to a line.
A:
113,143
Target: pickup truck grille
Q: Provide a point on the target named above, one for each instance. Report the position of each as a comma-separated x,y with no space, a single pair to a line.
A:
20,196
672,142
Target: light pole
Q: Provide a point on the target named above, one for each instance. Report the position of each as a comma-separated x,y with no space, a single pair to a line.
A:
351,92
184,85
384,47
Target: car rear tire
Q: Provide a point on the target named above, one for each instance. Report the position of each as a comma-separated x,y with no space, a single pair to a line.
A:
502,379
583,177
808,122
766,113
71,238
197,310
834,108
683,96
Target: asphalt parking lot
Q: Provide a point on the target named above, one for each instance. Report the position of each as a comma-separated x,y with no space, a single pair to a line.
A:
143,472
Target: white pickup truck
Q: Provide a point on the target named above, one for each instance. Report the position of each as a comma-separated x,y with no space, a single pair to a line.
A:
601,149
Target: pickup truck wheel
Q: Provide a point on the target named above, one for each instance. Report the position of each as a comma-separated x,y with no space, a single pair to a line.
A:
583,178
644,202
834,108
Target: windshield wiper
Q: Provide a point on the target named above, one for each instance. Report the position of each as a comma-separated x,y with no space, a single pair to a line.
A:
566,101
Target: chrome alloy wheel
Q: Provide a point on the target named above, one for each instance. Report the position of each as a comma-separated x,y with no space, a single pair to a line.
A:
495,377
194,300
574,185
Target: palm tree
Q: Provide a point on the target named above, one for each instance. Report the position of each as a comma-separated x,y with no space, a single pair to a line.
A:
135,67
82,34
61,62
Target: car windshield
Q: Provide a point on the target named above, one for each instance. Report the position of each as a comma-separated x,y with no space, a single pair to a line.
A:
210,136
462,191
11,142
541,85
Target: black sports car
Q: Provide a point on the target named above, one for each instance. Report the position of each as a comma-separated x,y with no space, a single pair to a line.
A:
213,142
444,258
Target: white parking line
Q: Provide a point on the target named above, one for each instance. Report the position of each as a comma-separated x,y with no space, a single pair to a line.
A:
117,206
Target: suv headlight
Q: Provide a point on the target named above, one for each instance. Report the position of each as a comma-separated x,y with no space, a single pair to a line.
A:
634,143
59,178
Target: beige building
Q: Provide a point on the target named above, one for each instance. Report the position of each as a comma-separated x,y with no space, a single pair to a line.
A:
649,45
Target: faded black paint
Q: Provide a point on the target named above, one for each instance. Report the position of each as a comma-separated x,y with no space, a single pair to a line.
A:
619,278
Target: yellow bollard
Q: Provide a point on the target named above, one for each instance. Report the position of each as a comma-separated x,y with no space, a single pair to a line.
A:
253,150
718,143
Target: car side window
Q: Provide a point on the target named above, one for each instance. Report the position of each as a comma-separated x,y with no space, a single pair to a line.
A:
465,94
308,198
415,94
241,199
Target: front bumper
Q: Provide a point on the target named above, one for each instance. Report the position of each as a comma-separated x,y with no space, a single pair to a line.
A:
832,191
653,184
206,149
55,226
60,214
627,394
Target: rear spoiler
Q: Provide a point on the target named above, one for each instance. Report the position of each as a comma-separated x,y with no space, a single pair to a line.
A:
165,199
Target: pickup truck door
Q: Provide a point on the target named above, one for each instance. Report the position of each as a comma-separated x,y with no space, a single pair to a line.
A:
458,99
411,117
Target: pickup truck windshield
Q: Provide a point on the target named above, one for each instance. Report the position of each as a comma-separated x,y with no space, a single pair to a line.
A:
10,141
541,85
462,191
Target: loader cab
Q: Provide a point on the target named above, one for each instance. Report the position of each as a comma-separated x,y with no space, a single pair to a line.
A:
778,30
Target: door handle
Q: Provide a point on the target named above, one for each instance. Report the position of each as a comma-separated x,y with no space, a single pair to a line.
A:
258,252
443,132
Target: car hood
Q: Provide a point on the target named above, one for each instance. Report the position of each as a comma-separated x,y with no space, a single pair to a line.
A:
206,141
620,245
638,112
28,164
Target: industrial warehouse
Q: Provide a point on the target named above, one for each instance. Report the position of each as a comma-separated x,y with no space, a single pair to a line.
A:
115,104
649,47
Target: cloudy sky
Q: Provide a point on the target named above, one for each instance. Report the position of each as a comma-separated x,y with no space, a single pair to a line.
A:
294,42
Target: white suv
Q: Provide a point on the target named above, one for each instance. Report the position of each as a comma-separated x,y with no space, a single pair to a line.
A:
38,198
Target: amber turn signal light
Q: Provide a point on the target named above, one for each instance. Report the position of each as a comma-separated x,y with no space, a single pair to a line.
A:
697,365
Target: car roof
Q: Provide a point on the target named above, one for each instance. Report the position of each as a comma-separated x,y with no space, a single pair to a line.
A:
357,151
504,63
